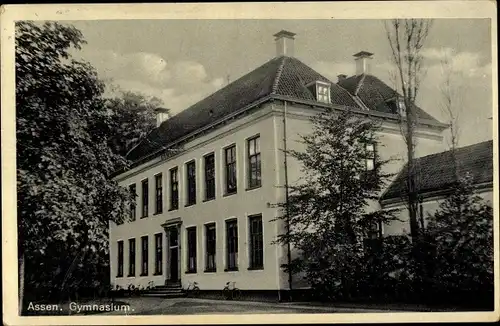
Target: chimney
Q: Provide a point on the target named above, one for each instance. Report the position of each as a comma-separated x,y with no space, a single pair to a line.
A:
162,114
341,77
363,64
284,43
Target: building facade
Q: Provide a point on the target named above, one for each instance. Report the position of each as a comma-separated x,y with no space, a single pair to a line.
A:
207,179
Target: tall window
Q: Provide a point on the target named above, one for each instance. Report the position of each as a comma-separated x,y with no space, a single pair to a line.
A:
254,170
144,265
256,242
370,157
209,177
133,194
174,189
159,194
158,253
120,259
232,244
210,247
191,183
191,249
373,237
131,257
230,154
145,197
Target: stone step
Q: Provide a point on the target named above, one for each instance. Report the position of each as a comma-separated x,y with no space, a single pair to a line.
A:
165,291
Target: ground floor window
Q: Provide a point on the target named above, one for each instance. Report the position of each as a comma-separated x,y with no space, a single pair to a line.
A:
256,242
210,237
120,259
232,244
131,257
144,265
191,238
158,253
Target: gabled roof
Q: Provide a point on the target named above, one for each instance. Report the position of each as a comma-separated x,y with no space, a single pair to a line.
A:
375,94
285,76
436,170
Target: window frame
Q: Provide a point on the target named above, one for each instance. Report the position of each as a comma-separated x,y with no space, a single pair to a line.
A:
231,245
230,167
144,255
174,188
256,238
132,188
158,254
210,188
326,94
213,247
158,193
191,235
190,183
120,258
252,184
145,198
132,253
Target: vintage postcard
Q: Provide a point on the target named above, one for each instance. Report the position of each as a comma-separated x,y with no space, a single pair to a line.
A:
210,163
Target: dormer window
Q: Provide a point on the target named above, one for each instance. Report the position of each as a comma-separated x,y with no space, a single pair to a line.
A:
321,90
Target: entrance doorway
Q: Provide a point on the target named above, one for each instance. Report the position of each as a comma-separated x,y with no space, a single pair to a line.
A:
173,253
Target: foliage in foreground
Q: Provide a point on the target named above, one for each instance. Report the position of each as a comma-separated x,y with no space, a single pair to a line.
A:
70,139
328,209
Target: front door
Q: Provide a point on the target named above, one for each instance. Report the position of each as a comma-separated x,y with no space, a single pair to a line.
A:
173,261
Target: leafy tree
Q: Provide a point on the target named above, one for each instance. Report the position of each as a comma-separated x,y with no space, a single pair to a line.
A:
133,118
327,210
65,197
462,232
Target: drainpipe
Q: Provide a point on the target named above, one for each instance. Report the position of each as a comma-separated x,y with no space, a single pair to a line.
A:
289,253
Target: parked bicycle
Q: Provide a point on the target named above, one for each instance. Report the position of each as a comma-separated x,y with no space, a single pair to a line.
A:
192,290
231,292
150,286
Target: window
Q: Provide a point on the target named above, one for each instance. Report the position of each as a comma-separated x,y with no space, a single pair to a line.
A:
373,237
159,194
133,194
131,257
254,171
120,259
210,247
232,244
323,92
370,157
145,198
230,154
191,183
256,242
191,248
158,253
174,189
209,177
144,265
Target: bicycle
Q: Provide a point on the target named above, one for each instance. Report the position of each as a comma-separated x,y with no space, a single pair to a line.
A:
231,292
192,289
150,286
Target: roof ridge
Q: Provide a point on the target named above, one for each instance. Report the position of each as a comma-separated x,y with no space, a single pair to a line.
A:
278,75
360,83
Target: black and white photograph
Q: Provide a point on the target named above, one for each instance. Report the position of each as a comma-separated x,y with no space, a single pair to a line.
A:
253,161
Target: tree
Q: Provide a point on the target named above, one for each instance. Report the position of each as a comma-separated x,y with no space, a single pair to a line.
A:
406,38
65,196
462,232
133,117
327,209
451,106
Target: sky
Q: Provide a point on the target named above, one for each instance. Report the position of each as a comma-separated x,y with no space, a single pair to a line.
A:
183,61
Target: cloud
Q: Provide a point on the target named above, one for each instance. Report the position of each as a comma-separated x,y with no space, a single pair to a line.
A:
178,84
